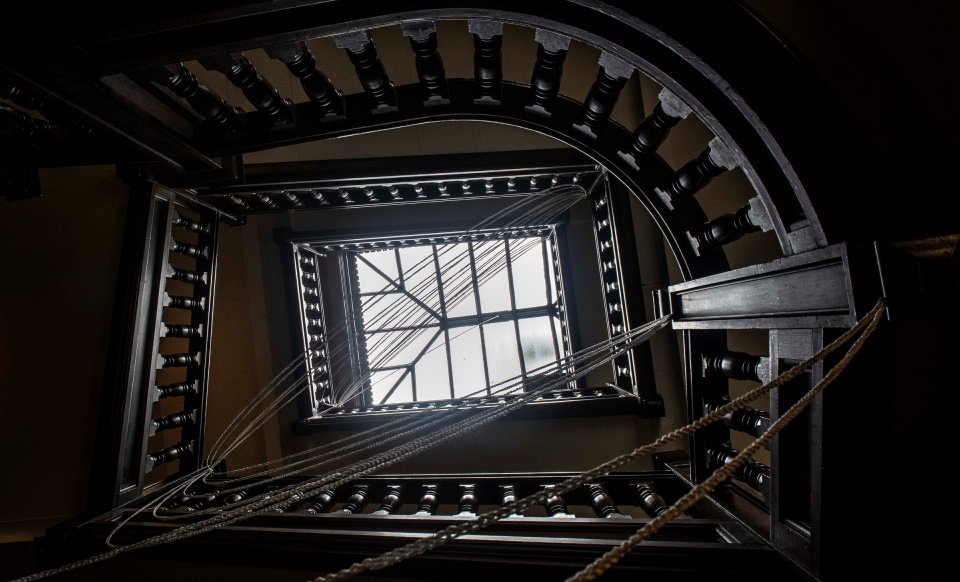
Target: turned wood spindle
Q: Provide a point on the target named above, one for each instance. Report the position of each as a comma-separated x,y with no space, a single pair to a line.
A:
357,501
430,71
602,502
735,365
747,420
26,100
178,389
391,501
603,95
508,495
648,499
258,91
35,132
429,500
188,249
653,130
301,63
169,330
487,59
177,360
468,500
753,473
168,454
696,174
184,302
321,503
373,77
724,230
555,505
548,70
186,276
190,224
210,106
175,420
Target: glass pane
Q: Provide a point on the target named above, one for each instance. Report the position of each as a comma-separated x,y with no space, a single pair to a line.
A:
529,284
420,274
466,356
492,276
381,382
537,342
370,280
503,358
403,393
433,379
559,331
396,348
457,279
393,310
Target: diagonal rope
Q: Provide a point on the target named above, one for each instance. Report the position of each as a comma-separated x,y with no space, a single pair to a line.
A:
423,545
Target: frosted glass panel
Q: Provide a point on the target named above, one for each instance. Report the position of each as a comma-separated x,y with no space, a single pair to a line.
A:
370,280
420,274
503,359
433,380
492,275
466,356
396,348
528,273
537,341
457,280
381,382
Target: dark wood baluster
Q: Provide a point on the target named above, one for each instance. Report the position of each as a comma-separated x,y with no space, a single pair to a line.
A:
487,59
238,202
177,360
183,302
736,365
292,200
357,501
433,78
29,101
235,497
508,494
321,503
255,88
188,249
203,100
299,60
190,224
391,501
556,506
178,389
648,499
545,83
167,455
747,420
753,473
35,132
288,504
266,201
373,77
653,130
175,420
696,174
725,229
602,503
468,500
428,501
168,330
598,106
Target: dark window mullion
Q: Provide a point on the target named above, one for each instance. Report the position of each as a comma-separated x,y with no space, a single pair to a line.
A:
476,298
394,387
513,306
396,253
546,275
443,301
446,337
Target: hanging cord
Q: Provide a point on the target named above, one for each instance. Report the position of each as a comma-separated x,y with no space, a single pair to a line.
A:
423,545
359,469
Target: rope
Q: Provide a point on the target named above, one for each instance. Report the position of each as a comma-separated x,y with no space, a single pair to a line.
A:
452,532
